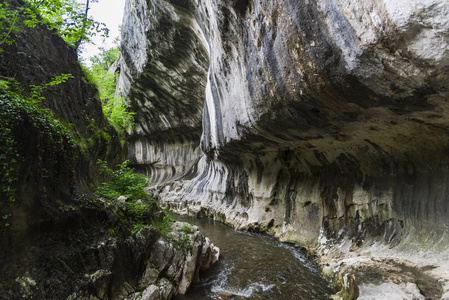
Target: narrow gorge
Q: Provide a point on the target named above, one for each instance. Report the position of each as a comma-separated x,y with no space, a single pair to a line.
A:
318,128
323,123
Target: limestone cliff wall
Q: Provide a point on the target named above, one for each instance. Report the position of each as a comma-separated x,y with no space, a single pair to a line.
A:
321,120
163,73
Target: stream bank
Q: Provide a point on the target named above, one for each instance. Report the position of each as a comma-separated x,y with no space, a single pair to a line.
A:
256,270
255,266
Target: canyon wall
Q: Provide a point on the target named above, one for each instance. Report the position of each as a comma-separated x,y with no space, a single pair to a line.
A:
321,120
164,79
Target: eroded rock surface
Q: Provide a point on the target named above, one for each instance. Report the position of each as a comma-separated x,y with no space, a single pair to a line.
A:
323,121
164,78
175,263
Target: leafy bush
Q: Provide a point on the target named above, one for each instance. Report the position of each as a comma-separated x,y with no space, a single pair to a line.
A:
68,18
184,242
116,111
187,229
124,181
163,225
140,207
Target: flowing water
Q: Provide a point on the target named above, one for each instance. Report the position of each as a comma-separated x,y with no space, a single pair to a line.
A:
254,266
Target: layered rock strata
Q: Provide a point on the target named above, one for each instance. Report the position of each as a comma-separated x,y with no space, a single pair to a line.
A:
324,122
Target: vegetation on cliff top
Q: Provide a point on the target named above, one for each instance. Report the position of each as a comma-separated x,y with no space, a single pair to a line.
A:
69,18
21,103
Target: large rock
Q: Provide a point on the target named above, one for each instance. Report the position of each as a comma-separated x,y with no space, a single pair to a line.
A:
88,254
323,120
175,262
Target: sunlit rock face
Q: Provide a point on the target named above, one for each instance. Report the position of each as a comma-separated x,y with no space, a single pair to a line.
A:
321,119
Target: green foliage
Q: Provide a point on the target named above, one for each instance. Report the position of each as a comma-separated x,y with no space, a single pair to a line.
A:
107,57
8,161
184,239
137,227
37,90
97,134
69,18
114,108
116,111
112,231
183,242
163,225
124,181
139,206
9,21
187,229
53,136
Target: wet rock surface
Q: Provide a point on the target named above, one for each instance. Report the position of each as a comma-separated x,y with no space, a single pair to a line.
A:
320,119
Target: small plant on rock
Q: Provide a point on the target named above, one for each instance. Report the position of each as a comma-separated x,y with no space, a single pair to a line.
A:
188,229
183,241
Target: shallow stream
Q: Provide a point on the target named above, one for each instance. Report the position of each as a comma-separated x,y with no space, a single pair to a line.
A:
254,266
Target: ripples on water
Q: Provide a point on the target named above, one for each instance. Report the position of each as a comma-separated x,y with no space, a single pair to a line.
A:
254,266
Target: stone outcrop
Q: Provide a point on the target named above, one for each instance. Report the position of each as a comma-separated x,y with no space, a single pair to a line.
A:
324,122
89,253
174,266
